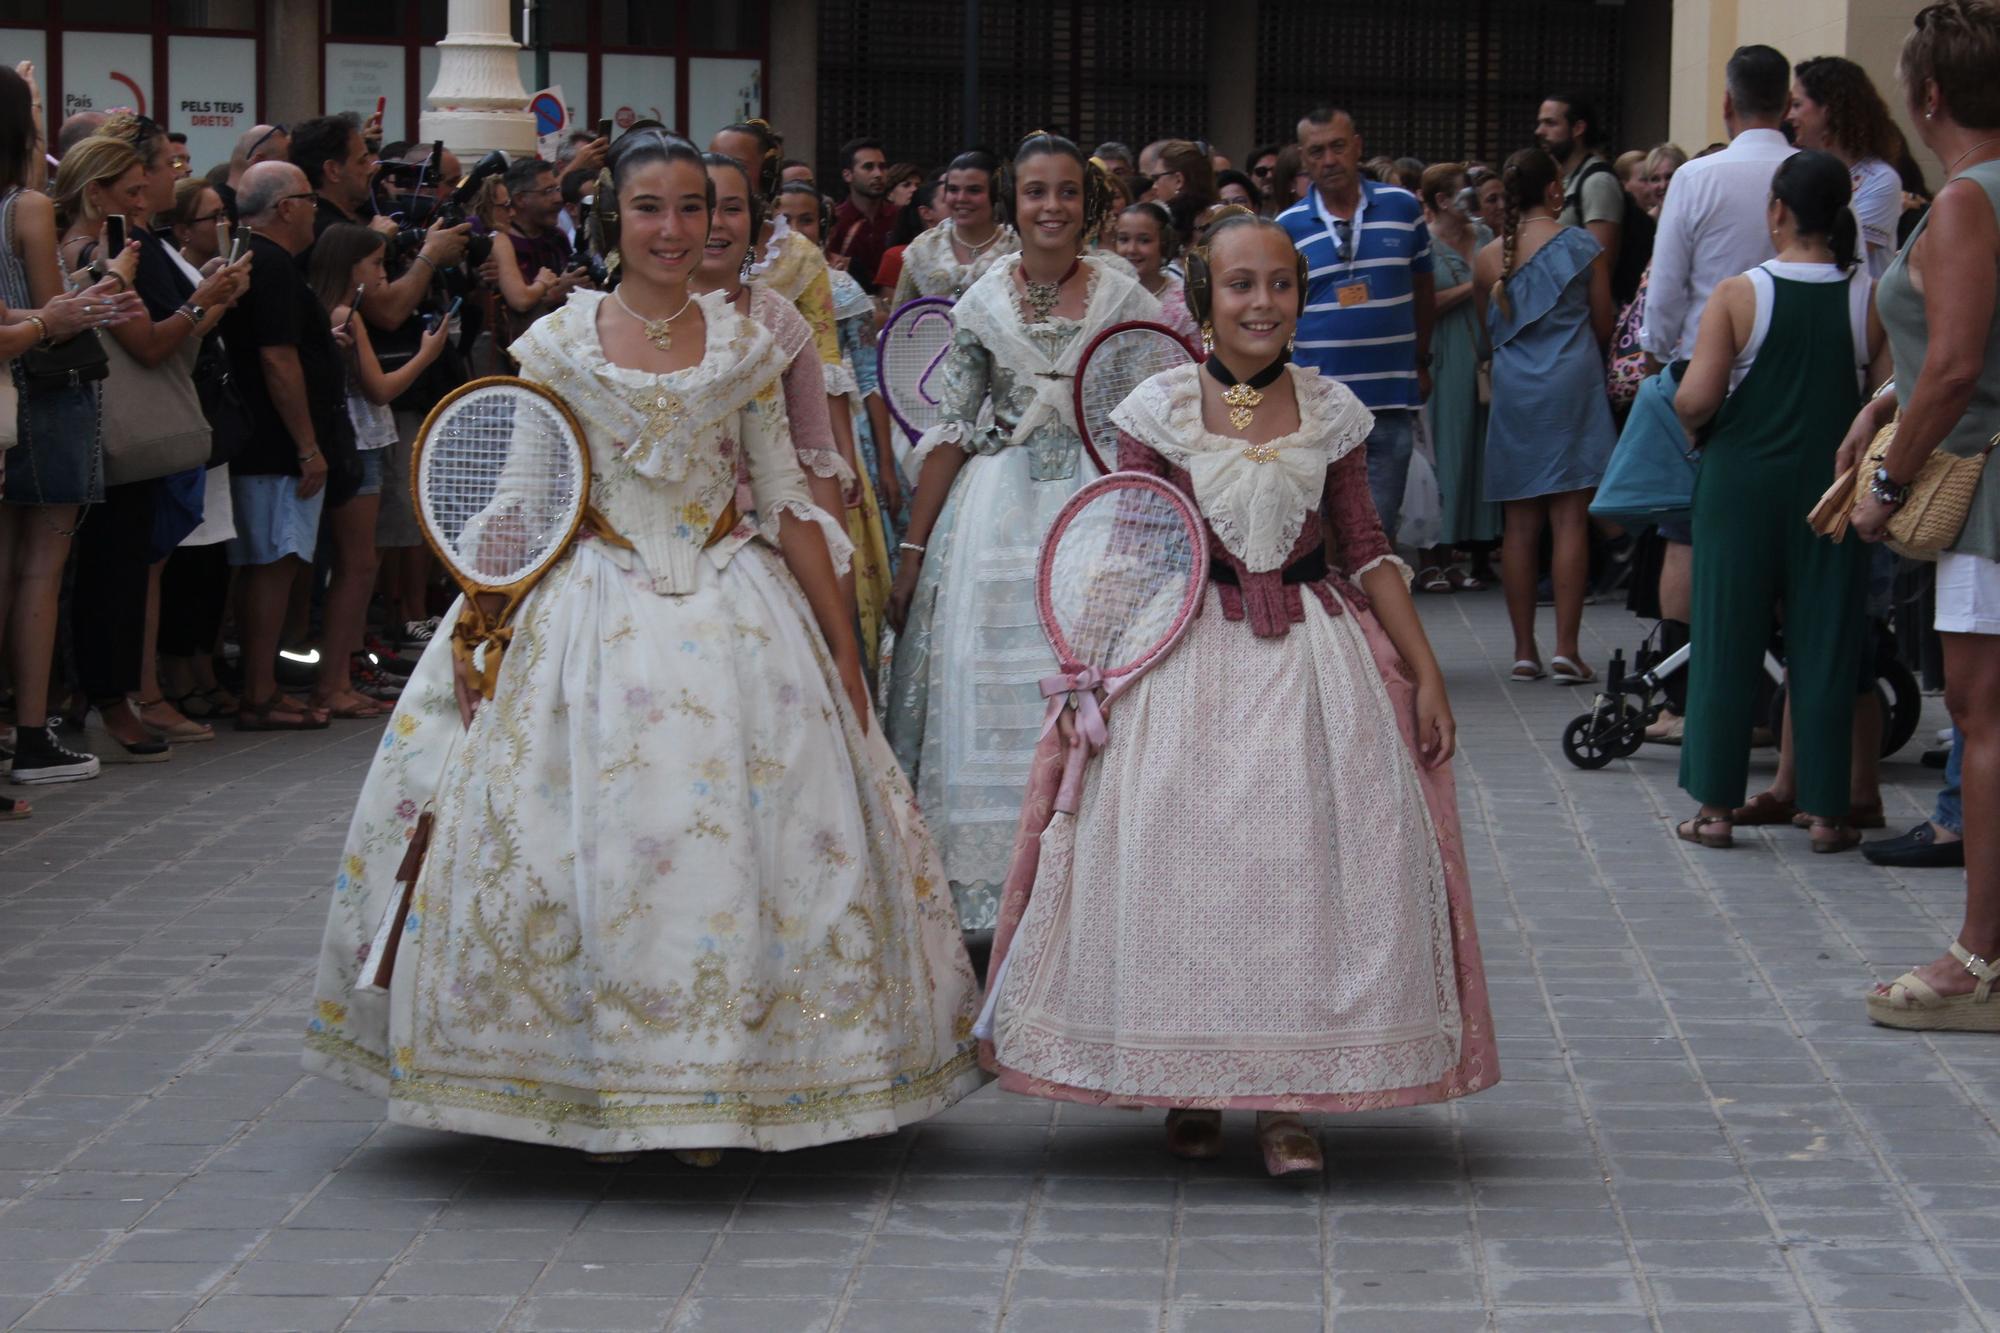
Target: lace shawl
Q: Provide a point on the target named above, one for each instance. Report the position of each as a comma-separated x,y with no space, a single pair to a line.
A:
1256,497
990,314
931,267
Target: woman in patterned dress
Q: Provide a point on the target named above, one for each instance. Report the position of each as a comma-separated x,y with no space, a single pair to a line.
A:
946,260
678,895
964,707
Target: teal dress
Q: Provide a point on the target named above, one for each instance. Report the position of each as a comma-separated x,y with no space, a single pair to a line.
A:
1458,420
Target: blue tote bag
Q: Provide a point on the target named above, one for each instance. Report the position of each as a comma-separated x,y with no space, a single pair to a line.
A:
1650,478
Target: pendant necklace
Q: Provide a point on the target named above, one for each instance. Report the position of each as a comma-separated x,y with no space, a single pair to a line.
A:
1243,397
1042,296
958,236
657,331
1983,143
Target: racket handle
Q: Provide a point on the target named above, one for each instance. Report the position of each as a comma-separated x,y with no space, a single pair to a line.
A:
1071,790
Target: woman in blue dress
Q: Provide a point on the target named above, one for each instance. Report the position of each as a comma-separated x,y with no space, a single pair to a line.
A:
1545,296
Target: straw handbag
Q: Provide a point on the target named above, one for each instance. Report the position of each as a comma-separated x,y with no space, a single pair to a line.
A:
1930,520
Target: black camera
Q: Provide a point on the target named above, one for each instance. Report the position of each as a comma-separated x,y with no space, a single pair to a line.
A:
413,200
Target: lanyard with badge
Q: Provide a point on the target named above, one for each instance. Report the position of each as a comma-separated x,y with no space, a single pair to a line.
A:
1354,290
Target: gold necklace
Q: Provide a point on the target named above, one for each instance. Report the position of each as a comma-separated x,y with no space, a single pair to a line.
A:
1042,296
1243,402
656,331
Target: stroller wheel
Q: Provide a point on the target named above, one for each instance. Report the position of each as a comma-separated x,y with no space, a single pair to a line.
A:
1586,743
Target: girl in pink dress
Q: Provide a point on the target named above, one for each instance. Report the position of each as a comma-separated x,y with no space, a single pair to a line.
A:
1267,907
1145,237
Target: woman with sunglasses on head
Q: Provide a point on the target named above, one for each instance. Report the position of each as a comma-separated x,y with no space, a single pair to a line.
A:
675,898
121,557
1280,926
950,257
963,705
53,467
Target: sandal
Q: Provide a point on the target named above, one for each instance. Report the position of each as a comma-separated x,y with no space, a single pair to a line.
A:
266,716
13,807
179,730
1695,830
1860,816
699,1158
1463,579
1196,1135
213,702
1525,670
1569,671
1910,1003
1844,837
1288,1148
1431,579
1764,808
360,709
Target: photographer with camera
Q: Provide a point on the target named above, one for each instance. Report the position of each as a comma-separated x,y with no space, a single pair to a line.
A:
428,263
534,257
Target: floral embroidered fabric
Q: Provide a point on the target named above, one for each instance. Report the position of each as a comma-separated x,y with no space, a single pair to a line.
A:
931,265
676,896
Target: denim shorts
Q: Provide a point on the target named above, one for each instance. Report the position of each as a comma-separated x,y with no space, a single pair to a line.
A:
371,472
60,459
272,522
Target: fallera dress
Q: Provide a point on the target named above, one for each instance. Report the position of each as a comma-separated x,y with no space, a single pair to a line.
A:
675,897
1261,902
965,704
931,265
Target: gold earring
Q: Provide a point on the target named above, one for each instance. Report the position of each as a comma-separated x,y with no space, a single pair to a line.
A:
1291,344
1207,339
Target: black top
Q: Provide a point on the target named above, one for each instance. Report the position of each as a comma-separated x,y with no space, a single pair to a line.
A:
280,310
161,283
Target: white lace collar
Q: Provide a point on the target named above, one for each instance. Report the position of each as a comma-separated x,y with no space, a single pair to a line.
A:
657,418
1256,497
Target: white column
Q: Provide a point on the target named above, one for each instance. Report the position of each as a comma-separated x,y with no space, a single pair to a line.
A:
479,103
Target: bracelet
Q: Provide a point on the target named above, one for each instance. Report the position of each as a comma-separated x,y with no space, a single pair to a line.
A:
425,260
36,320
308,457
910,546
194,320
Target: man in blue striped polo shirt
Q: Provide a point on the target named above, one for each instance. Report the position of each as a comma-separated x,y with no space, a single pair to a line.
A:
1369,297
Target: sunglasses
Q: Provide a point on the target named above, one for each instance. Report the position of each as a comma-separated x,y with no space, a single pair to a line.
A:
263,139
1262,171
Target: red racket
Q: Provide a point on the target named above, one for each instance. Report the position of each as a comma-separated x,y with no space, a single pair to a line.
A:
1118,361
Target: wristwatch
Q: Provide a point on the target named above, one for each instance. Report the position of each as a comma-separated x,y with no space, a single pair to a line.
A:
193,312
1884,488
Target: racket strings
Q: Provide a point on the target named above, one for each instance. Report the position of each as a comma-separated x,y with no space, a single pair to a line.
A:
500,482
1118,581
1118,365
912,368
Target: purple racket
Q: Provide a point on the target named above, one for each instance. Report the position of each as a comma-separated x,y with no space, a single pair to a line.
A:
909,357
1121,576
1118,361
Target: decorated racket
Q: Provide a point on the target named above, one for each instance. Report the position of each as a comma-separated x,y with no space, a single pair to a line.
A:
1121,575
1120,578
501,480
909,355
1118,361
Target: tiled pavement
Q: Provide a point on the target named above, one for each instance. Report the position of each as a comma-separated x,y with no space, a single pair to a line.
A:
1697,1128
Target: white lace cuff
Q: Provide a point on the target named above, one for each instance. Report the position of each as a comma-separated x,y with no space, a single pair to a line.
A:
837,544
1397,561
960,433
840,380
827,463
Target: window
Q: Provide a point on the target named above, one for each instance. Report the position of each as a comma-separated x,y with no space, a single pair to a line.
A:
238,14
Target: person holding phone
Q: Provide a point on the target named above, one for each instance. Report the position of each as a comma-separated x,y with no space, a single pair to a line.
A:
533,255
122,552
346,264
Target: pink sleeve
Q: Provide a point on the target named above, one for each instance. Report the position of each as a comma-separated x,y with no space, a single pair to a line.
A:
1357,532
805,404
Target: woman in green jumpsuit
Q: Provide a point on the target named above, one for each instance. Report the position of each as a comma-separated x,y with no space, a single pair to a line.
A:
1789,344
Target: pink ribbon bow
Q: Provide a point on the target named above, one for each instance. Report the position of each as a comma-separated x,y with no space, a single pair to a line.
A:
1082,683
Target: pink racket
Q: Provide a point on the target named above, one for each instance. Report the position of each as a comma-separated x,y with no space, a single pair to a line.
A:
909,356
1121,576
1118,361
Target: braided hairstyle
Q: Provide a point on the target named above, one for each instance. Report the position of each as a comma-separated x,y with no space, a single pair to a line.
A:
1200,281
771,147
1170,237
1524,182
634,149
1096,189
822,206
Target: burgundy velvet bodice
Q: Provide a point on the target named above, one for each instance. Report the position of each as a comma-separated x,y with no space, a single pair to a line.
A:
1270,604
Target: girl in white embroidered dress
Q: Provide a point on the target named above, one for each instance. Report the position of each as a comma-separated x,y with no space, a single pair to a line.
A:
1266,906
946,260
964,707
678,895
